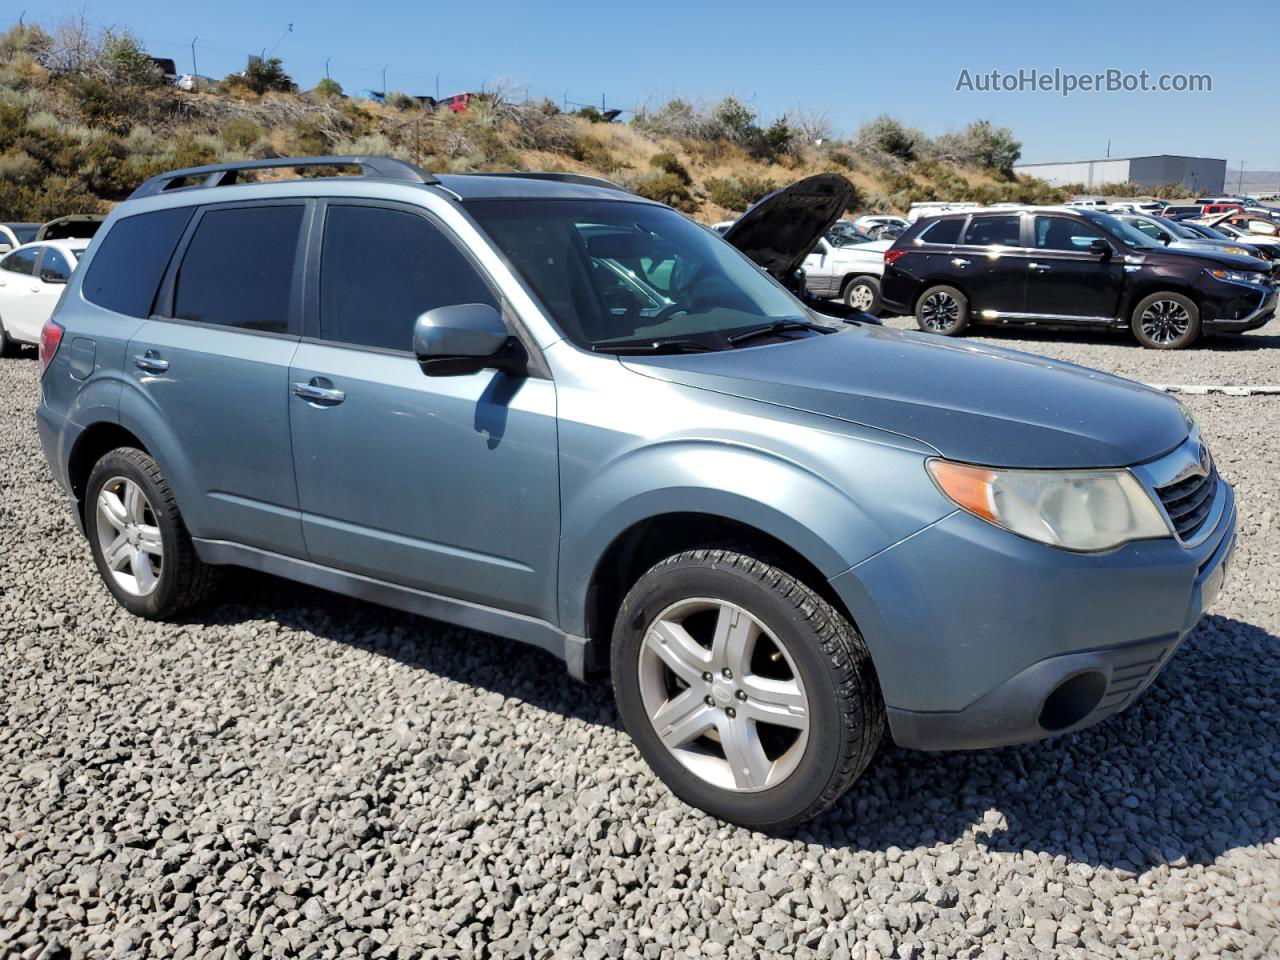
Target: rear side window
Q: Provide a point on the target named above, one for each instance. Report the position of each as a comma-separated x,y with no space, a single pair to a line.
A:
21,261
942,231
380,268
54,266
131,259
994,232
238,269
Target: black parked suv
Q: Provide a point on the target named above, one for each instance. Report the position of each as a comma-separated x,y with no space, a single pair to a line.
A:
1060,267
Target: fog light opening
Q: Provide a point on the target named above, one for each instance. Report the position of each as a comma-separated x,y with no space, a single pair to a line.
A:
1073,700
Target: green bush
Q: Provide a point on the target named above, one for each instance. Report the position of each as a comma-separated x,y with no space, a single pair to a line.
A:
669,189
123,62
101,104
669,163
398,100
241,133
307,139
590,114
884,134
262,76
327,89
738,193
593,153
778,139
982,145
13,120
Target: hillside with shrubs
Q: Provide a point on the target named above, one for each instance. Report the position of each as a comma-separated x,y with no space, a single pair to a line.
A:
85,116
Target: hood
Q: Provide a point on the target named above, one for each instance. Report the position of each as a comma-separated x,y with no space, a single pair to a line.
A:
73,225
1208,255
780,230
977,404
873,250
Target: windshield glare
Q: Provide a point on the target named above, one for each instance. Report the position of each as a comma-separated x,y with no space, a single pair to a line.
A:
614,272
1129,236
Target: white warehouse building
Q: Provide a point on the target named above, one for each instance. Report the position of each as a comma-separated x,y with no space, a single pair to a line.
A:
1197,174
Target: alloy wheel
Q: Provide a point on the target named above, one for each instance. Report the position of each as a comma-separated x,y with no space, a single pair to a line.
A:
129,536
861,297
724,695
1164,321
939,311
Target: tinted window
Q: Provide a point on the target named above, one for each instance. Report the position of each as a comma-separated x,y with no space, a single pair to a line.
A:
25,232
942,231
238,269
380,269
54,266
994,231
1063,233
21,261
131,259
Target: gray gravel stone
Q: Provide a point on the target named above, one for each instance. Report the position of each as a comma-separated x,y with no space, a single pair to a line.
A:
291,773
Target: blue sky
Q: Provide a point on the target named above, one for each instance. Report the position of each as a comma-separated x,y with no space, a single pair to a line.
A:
848,60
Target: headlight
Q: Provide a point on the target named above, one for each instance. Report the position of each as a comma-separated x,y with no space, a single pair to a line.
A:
1237,276
1073,509
1238,251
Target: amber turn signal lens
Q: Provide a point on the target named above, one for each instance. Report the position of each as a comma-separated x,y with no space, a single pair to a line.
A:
969,487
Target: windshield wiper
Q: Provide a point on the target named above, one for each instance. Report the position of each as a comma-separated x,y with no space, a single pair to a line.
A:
778,326
654,347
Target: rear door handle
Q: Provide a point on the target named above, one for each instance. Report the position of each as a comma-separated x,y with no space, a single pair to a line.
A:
1039,267
150,362
959,262
314,393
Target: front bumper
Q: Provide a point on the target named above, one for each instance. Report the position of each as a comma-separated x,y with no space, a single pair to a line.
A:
981,638
1247,311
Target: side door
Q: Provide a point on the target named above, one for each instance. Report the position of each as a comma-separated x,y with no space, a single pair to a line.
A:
820,271
1068,278
211,367
990,264
20,294
448,484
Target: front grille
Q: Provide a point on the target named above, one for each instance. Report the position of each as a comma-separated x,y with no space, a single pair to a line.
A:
1188,502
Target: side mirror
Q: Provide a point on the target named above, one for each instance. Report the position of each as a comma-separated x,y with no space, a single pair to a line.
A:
1100,247
463,338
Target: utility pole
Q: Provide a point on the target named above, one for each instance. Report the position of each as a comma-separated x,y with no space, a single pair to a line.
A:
1108,149
437,87
384,83
602,103
1240,182
195,71
326,67
565,108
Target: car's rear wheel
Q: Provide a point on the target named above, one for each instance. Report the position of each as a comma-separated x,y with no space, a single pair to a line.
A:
139,542
863,293
750,696
1166,321
8,346
943,310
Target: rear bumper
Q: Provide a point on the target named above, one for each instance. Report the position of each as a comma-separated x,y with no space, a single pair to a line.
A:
982,639
57,440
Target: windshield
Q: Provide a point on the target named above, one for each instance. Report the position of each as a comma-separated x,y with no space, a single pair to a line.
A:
847,237
1131,237
614,273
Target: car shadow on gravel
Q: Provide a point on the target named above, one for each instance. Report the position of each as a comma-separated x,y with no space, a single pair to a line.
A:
1187,773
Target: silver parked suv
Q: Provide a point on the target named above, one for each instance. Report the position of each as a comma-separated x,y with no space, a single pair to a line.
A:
542,407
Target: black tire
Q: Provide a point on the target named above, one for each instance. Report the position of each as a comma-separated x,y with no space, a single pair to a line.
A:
845,708
184,580
943,310
864,289
1172,324
8,346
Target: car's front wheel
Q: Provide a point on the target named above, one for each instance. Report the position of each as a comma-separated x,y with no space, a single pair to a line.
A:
863,293
750,696
943,309
1166,321
139,542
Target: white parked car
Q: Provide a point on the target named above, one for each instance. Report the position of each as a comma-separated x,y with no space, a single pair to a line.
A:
934,208
32,278
875,223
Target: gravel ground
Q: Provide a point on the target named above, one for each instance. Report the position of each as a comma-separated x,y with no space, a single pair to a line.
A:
291,773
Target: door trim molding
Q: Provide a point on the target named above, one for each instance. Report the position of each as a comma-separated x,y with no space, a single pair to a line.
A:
1053,317
462,613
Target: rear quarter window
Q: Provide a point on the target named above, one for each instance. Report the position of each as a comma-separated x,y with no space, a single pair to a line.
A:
125,272
942,231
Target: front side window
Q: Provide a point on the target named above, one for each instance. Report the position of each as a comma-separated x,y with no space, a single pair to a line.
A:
131,259
54,267
1064,233
21,261
238,268
689,284
381,268
1003,231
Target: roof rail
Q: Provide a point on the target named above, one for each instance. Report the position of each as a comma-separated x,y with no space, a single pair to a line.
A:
581,178
225,174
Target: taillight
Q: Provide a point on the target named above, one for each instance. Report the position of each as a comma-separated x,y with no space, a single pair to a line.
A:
893,256
50,340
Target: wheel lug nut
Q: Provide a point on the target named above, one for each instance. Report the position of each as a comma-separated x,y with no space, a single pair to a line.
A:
731,712
707,677
728,674
709,700
742,694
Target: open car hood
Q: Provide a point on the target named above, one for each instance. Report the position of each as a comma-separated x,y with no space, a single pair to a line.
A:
780,230
74,225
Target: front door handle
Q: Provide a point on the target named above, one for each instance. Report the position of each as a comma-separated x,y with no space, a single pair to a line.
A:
150,362
1038,267
312,392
